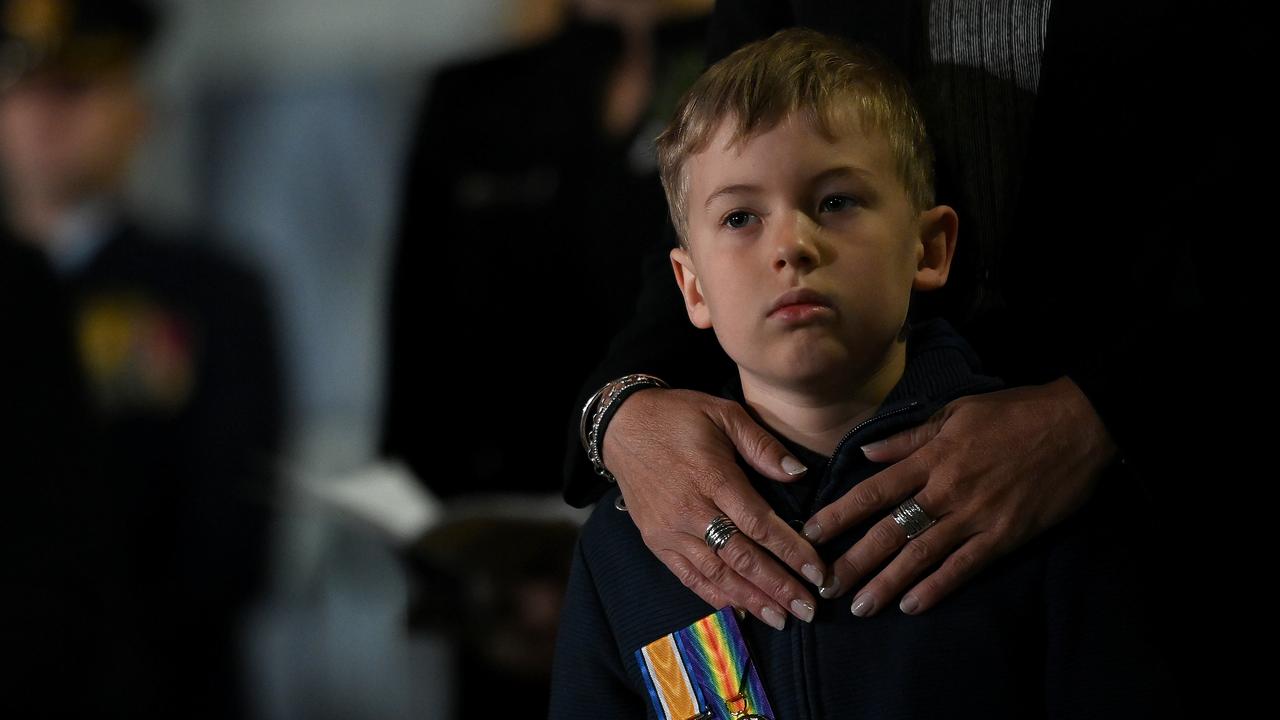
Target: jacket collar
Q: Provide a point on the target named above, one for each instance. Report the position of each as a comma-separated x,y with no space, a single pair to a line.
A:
940,367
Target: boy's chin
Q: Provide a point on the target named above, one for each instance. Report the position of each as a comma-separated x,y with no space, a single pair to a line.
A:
827,368
814,374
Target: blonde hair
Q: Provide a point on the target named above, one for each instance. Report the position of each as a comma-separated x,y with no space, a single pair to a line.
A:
796,70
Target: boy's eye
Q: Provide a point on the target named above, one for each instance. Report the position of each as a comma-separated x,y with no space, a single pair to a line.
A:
738,219
836,203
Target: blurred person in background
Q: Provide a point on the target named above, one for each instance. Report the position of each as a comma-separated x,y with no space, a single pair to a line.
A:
174,342
532,163
56,540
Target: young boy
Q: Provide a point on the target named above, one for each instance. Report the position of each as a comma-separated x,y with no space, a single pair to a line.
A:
799,178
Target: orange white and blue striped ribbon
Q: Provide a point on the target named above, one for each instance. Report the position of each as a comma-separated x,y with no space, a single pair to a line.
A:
667,679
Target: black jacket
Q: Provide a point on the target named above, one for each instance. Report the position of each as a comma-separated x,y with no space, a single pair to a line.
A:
58,574
189,419
512,176
1054,629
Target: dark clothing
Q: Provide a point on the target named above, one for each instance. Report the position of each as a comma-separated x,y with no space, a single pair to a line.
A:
58,570
178,352
191,406
522,227
1054,629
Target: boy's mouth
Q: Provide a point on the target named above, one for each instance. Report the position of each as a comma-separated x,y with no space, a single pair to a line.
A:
799,298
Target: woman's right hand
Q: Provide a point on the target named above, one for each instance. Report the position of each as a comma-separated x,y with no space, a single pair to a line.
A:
673,454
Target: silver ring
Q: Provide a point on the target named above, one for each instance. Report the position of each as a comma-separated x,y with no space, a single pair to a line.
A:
719,532
912,518
620,504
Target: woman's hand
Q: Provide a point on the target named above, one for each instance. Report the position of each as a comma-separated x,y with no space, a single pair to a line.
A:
993,470
673,453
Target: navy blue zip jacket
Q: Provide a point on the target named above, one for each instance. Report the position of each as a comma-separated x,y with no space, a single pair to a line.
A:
1056,628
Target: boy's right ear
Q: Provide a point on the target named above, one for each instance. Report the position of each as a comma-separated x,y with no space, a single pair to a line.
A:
691,288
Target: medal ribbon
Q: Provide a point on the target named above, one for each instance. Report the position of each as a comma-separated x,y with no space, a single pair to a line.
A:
667,679
717,656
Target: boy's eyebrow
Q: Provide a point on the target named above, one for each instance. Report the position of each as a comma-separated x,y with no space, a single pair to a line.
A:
840,171
730,190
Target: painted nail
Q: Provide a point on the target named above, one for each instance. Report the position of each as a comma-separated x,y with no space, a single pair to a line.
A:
909,604
793,466
775,619
872,447
864,605
802,610
832,590
812,574
812,531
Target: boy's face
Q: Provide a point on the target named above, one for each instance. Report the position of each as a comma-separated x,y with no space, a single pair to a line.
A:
789,210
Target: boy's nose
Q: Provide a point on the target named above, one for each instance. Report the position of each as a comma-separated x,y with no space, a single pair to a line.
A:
795,245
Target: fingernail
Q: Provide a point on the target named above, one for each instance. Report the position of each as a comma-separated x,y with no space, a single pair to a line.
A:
775,619
812,531
872,447
802,610
793,466
830,591
864,605
812,574
909,604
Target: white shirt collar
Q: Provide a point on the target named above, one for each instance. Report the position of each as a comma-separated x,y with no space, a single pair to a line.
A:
80,234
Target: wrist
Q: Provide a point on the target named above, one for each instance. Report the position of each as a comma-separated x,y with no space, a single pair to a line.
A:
1098,438
601,408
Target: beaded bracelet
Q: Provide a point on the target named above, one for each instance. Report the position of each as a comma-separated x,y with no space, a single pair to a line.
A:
606,402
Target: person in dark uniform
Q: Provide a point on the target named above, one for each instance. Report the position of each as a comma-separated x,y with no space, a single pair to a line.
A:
529,164
57,547
532,163
175,344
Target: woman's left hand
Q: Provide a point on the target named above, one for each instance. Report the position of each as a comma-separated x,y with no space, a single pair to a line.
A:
992,470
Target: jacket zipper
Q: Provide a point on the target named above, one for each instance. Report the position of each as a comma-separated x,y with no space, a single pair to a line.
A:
807,637
854,430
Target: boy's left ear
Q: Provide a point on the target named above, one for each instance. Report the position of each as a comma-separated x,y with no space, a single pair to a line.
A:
937,227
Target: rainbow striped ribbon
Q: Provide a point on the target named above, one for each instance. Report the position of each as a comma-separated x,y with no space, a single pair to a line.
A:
707,660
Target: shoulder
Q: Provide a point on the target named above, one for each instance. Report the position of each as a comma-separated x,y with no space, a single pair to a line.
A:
941,366
642,599
511,104
609,532
498,66
215,293
474,79
186,263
